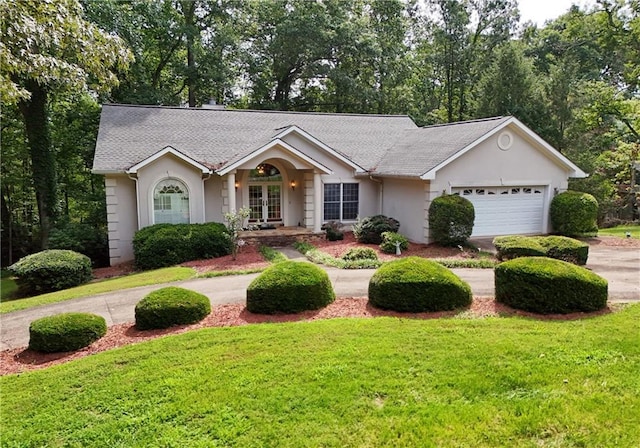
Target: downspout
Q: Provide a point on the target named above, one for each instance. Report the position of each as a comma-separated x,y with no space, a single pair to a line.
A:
204,201
135,179
381,189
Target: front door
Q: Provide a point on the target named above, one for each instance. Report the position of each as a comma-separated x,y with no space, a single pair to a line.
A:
265,202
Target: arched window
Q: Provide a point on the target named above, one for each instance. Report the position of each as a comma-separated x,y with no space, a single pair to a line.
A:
171,202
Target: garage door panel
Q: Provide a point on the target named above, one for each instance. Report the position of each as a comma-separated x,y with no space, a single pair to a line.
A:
511,212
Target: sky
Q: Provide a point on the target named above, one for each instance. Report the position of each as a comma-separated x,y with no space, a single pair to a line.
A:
538,11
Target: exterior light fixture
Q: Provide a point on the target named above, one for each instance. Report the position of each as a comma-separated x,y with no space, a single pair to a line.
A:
237,185
293,185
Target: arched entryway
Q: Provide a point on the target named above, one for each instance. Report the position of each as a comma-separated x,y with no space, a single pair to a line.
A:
265,194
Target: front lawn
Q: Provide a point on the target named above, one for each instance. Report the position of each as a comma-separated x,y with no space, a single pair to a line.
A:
345,382
621,231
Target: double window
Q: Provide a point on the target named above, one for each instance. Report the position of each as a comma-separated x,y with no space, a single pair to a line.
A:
341,202
171,202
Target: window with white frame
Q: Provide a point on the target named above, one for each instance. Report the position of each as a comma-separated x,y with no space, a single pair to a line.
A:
341,202
171,202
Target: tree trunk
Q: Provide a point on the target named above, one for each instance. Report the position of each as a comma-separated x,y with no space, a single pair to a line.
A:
43,170
189,8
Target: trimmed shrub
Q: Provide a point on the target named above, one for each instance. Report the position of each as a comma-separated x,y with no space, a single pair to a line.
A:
360,253
170,306
370,229
415,284
290,287
65,332
451,219
514,246
565,249
574,213
389,240
544,285
163,245
333,229
51,270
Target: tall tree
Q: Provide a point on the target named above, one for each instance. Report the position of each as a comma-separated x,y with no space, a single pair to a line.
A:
49,46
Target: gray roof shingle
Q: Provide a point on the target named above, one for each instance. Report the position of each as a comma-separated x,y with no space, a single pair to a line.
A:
386,144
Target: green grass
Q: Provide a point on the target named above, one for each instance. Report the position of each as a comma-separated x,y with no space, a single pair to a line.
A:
621,231
381,382
7,287
272,255
156,276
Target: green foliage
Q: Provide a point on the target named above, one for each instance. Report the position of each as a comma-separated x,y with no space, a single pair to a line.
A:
574,213
389,241
360,253
565,249
415,284
451,219
66,332
303,247
272,255
170,306
333,230
51,270
168,244
546,286
290,287
514,246
370,229
89,240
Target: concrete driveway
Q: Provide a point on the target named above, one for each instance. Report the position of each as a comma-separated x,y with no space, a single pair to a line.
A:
619,265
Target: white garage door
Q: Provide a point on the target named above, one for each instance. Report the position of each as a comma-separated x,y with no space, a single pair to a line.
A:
505,210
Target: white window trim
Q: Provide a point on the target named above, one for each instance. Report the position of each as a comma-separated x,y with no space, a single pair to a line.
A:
152,194
348,221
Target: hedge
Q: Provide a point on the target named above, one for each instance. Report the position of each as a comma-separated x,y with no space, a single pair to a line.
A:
65,332
544,285
415,284
370,229
559,247
451,219
170,306
163,245
360,253
514,246
574,213
290,287
51,270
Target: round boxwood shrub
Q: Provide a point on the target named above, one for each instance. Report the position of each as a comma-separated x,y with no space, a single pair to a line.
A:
415,284
565,249
360,253
169,244
514,246
389,240
290,287
170,306
574,213
370,229
545,285
65,332
51,270
451,219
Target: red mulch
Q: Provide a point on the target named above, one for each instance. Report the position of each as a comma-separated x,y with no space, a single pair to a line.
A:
612,241
21,359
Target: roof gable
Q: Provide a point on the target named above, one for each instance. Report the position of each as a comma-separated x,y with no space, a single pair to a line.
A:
163,152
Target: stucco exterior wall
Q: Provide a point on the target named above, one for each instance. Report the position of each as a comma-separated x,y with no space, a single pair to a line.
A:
404,200
122,217
170,167
213,199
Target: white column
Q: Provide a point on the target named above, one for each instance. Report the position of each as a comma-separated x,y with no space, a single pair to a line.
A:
231,186
317,202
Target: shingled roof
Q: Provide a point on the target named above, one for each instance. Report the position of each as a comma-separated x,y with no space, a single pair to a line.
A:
384,144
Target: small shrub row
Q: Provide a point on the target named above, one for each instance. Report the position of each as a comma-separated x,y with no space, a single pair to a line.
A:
360,253
559,247
544,285
163,245
65,332
51,270
370,229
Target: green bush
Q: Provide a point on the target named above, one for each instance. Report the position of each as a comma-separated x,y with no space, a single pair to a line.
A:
170,306
389,240
65,332
565,249
163,245
290,287
559,247
415,284
370,229
51,270
86,239
574,213
360,253
544,285
514,246
333,230
451,219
